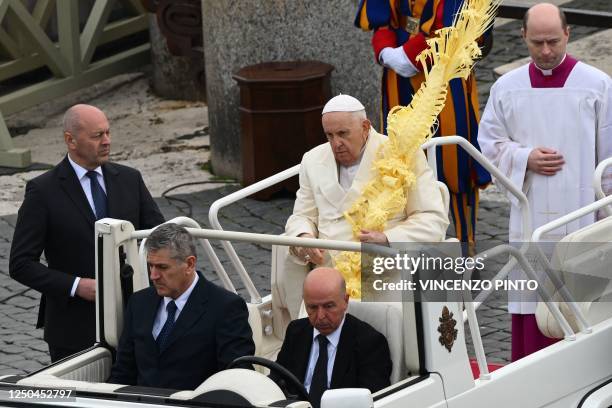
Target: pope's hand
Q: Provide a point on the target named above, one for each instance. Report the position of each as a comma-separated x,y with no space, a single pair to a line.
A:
373,237
309,255
545,161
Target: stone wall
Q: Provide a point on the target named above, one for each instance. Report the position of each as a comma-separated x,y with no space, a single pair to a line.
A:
174,76
237,34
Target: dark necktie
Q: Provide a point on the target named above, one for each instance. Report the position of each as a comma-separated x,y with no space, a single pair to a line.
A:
319,376
98,196
164,334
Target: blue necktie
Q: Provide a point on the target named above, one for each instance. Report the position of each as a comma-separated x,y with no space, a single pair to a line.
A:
318,385
98,196
164,334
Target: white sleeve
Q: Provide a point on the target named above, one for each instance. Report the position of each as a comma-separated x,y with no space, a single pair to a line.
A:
604,135
305,212
496,143
75,285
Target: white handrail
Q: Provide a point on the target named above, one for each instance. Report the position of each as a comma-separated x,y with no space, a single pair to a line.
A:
470,310
213,214
354,246
484,162
597,182
536,237
540,231
500,177
430,146
572,216
213,218
481,357
432,159
502,274
542,292
265,239
565,294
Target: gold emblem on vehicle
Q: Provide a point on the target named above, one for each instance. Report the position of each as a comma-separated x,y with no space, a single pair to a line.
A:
448,333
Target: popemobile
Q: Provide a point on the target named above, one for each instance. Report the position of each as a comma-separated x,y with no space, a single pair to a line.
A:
427,337
427,340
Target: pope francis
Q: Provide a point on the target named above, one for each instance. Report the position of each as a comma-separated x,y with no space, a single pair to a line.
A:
332,176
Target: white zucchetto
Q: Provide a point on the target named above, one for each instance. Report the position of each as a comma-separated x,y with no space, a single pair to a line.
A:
342,103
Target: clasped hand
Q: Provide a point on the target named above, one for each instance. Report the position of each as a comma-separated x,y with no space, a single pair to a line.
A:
545,161
316,256
309,255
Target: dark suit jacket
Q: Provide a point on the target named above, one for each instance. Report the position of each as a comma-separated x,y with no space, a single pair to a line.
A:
210,332
56,218
362,358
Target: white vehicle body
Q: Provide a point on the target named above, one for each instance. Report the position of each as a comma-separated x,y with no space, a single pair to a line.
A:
574,372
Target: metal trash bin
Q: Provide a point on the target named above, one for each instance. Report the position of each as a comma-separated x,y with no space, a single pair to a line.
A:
280,117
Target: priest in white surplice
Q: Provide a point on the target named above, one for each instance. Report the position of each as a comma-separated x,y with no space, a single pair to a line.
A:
332,177
547,125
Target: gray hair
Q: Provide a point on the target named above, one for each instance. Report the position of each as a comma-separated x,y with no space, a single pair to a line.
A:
174,238
361,115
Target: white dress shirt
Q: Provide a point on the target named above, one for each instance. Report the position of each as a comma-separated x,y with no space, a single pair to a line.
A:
346,174
332,347
86,183
81,174
162,312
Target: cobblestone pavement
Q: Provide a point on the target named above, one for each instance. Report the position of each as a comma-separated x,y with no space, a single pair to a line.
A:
22,349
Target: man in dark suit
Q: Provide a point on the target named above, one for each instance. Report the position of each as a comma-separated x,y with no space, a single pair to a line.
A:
354,355
58,215
184,329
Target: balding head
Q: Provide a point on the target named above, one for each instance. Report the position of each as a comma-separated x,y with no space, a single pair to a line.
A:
547,11
76,114
87,135
325,298
546,34
324,279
